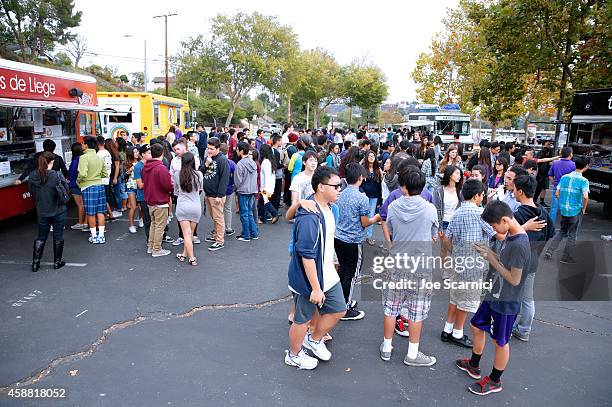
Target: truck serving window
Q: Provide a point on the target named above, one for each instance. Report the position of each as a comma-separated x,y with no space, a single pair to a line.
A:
120,118
156,115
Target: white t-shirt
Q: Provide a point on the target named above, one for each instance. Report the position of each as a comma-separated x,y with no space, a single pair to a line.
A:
108,163
302,184
330,275
450,205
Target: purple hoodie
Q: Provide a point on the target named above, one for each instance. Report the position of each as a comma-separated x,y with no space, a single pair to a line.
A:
397,193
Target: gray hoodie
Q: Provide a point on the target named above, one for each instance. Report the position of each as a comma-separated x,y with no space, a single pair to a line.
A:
412,222
245,176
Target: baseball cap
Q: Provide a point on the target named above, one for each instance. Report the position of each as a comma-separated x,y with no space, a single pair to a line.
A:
144,148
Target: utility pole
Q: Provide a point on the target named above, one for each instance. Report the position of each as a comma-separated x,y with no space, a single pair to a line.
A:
165,16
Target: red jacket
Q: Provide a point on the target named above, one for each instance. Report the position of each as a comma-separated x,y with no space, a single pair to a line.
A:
157,183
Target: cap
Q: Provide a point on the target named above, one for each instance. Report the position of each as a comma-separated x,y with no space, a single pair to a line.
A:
144,148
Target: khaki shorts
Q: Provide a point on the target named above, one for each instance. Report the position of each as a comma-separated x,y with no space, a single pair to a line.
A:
466,299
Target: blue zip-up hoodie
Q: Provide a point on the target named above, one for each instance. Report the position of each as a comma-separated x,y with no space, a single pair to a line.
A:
308,239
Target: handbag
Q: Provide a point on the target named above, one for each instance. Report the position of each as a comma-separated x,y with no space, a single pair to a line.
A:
62,188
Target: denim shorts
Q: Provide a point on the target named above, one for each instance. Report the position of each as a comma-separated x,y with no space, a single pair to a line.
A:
131,191
75,191
304,309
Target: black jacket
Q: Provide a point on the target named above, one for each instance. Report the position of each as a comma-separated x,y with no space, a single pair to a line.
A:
216,176
48,202
58,165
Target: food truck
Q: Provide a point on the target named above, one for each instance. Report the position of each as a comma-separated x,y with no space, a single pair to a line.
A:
144,112
37,104
590,134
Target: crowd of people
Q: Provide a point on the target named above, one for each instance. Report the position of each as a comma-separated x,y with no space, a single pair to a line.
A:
337,187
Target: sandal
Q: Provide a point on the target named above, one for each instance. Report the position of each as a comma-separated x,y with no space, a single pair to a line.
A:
193,262
180,257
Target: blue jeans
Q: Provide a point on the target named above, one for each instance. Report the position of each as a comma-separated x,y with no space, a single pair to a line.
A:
118,192
525,319
44,225
372,202
554,207
269,209
249,227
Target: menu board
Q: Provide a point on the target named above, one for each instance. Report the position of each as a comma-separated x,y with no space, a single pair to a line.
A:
5,168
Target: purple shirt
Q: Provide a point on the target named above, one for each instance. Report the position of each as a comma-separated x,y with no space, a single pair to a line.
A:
230,184
560,168
259,142
397,193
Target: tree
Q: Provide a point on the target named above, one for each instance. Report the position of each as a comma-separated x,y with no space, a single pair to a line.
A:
321,84
244,51
77,47
389,117
36,26
137,79
62,59
123,78
364,86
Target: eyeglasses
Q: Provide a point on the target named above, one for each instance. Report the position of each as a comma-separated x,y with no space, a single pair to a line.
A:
336,186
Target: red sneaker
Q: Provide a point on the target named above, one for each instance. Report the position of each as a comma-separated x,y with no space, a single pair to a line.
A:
401,326
464,364
485,386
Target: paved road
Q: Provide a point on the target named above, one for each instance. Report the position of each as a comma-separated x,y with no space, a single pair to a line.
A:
139,331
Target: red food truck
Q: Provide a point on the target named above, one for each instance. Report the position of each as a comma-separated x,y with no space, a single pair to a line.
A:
36,104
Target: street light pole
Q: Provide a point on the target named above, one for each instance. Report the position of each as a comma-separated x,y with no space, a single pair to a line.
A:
146,77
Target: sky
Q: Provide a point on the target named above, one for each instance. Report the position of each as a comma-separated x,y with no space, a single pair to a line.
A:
389,34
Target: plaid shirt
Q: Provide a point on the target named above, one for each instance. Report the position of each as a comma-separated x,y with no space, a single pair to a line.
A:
571,191
465,228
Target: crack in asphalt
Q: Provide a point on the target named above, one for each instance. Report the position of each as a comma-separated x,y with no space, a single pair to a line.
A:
107,332
571,328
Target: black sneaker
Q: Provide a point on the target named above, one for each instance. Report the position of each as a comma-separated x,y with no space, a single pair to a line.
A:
229,232
464,364
240,238
210,239
168,239
485,386
464,342
548,255
215,246
445,336
353,315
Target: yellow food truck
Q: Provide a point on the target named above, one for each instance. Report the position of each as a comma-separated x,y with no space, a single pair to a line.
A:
145,112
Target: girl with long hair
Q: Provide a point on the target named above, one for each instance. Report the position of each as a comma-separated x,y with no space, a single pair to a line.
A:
372,187
188,182
132,159
44,183
122,150
484,160
429,168
422,147
268,182
497,177
73,173
115,175
451,157
351,156
438,148
447,196
333,159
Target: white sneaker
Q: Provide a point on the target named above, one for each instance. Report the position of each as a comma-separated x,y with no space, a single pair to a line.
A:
149,250
318,348
140,223
77,226
178,241
117,214
162,252
132,229
301,360
196,240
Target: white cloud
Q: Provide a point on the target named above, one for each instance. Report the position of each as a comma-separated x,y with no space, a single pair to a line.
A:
389,33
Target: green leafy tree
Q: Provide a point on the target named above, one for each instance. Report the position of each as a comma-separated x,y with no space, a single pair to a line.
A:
364,86
321,85
36,26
